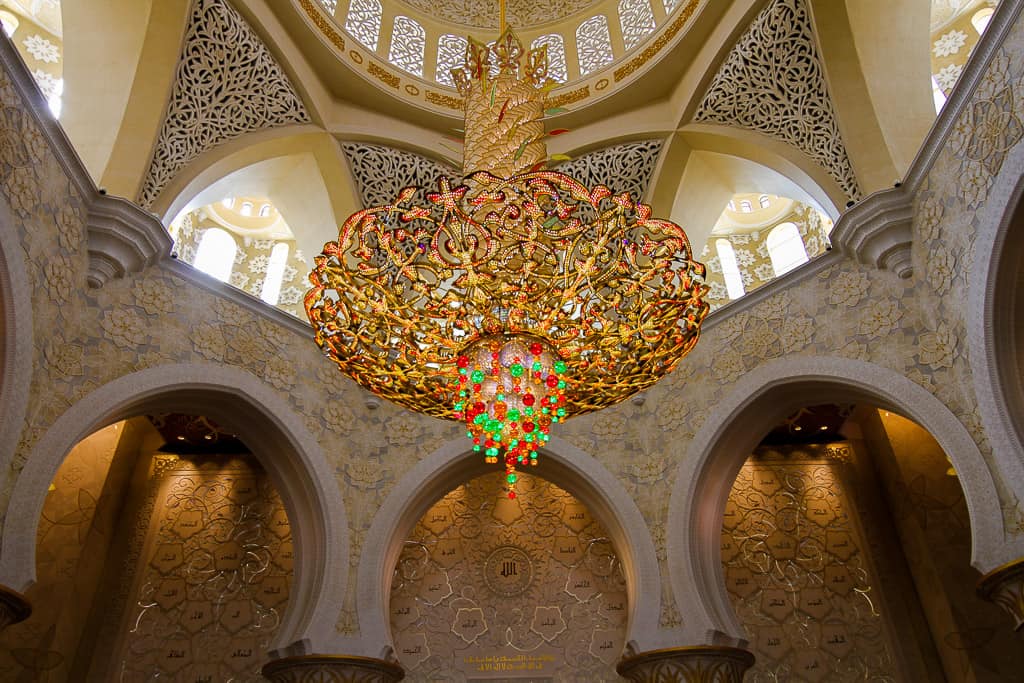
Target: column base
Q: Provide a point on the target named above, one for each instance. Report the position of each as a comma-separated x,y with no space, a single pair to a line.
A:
332,669
14,607
694,664
1005,587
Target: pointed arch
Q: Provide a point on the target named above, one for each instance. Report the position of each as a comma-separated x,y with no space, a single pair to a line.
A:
278,438
760,400
564,465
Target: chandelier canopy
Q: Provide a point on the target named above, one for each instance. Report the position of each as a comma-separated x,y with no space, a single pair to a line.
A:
514,297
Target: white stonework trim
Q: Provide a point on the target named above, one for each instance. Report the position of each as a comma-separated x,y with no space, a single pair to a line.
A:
123,239
17,337
278,437
452,465
757,402
879,232
999,28
992,310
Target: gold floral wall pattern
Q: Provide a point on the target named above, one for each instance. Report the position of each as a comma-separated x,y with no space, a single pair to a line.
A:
212,576
85,338
796,571
530,586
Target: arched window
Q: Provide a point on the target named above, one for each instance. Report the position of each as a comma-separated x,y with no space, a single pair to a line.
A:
764,201
637,20
746,206
594,44
408,41
246,209
451,54
981,18
271,290
216,254
731,205
228,203
786,248
670,6
10,22
556,55
363,21
730,269
264,210
938,96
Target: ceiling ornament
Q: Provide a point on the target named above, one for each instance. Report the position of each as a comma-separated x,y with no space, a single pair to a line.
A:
485,14
227,84
773,82
511,298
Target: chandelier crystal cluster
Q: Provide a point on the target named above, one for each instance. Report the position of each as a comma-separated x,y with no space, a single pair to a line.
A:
515,297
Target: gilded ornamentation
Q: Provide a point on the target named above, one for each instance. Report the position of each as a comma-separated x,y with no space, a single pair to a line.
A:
242,91
530,585
215,577
773,82
796,569
443,100
323,23
383,75
1005,587
627,167
659,43
695,664
567,98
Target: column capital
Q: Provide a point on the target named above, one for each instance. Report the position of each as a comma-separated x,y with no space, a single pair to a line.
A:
332,669
14,607
1005,587
691,664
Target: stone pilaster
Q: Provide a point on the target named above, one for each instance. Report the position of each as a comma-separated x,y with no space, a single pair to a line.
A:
1005,587
13,607
694,664
332,669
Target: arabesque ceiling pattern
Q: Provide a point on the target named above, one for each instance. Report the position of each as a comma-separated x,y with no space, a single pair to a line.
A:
773,82
228,84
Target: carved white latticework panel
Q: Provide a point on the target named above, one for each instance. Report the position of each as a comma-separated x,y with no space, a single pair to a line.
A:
363,21
556,55
637,20
408,41
330,5
451,52
594,44
623,168
382,172
670,6
227,84
521,14
773,83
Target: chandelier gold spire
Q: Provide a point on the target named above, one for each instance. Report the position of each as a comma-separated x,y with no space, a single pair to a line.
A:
514,297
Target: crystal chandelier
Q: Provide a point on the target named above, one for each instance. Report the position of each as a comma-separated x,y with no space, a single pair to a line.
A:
515,297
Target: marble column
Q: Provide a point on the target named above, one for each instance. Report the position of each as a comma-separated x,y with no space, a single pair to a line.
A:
693,664
332,669
13,607
1005,587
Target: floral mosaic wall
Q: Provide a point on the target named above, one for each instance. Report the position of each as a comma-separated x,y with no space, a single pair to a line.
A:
85,338
952,44
752,257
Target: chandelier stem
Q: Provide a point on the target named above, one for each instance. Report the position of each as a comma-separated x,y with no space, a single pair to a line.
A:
501,16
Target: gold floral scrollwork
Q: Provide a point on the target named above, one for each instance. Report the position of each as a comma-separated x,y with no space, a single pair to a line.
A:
332,669
1005,587
695,664
13,607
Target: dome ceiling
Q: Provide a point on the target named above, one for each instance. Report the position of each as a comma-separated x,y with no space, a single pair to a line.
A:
483,14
